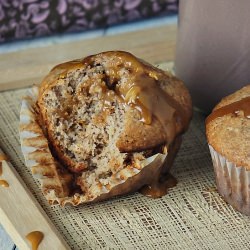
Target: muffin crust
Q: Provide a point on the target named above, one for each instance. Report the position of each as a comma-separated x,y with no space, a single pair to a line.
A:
230,134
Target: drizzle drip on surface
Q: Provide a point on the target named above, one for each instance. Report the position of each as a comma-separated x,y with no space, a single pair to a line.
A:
35,239
3,157
243,104
160,188
4,183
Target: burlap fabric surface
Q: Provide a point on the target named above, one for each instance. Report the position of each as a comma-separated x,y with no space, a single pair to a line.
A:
191,216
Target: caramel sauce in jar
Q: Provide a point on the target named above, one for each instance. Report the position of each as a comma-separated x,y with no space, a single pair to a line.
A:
35,239
243,104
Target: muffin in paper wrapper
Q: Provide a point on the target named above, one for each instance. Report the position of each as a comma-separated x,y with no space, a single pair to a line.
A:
233,182
56,181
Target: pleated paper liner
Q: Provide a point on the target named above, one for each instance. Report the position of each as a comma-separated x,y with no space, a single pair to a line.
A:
233,182
56,181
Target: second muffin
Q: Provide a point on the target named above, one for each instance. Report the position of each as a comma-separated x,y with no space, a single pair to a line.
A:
228,134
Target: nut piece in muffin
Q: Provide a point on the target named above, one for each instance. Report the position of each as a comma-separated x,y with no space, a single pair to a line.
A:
106,115
228,135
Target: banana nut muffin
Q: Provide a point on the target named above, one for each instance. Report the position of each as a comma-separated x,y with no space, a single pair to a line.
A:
228,135
104,115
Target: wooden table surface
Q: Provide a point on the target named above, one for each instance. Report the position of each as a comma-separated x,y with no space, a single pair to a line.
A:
26,67
23,68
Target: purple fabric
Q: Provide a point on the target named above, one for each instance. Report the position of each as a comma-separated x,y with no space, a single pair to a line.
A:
21,19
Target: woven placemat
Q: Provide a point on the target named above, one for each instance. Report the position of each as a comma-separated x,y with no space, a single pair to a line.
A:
191,216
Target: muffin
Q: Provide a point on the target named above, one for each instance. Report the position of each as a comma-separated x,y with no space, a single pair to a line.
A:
112,122
228,135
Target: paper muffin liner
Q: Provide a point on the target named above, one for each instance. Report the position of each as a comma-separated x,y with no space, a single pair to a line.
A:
56,180
233,182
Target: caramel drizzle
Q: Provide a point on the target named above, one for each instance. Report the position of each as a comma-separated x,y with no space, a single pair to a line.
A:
159,188
3,157
145,94
3,183
35,239
243,104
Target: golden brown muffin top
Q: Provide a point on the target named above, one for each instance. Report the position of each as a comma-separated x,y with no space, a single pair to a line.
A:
228,127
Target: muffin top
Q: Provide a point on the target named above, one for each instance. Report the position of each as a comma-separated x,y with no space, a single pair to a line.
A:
228,127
